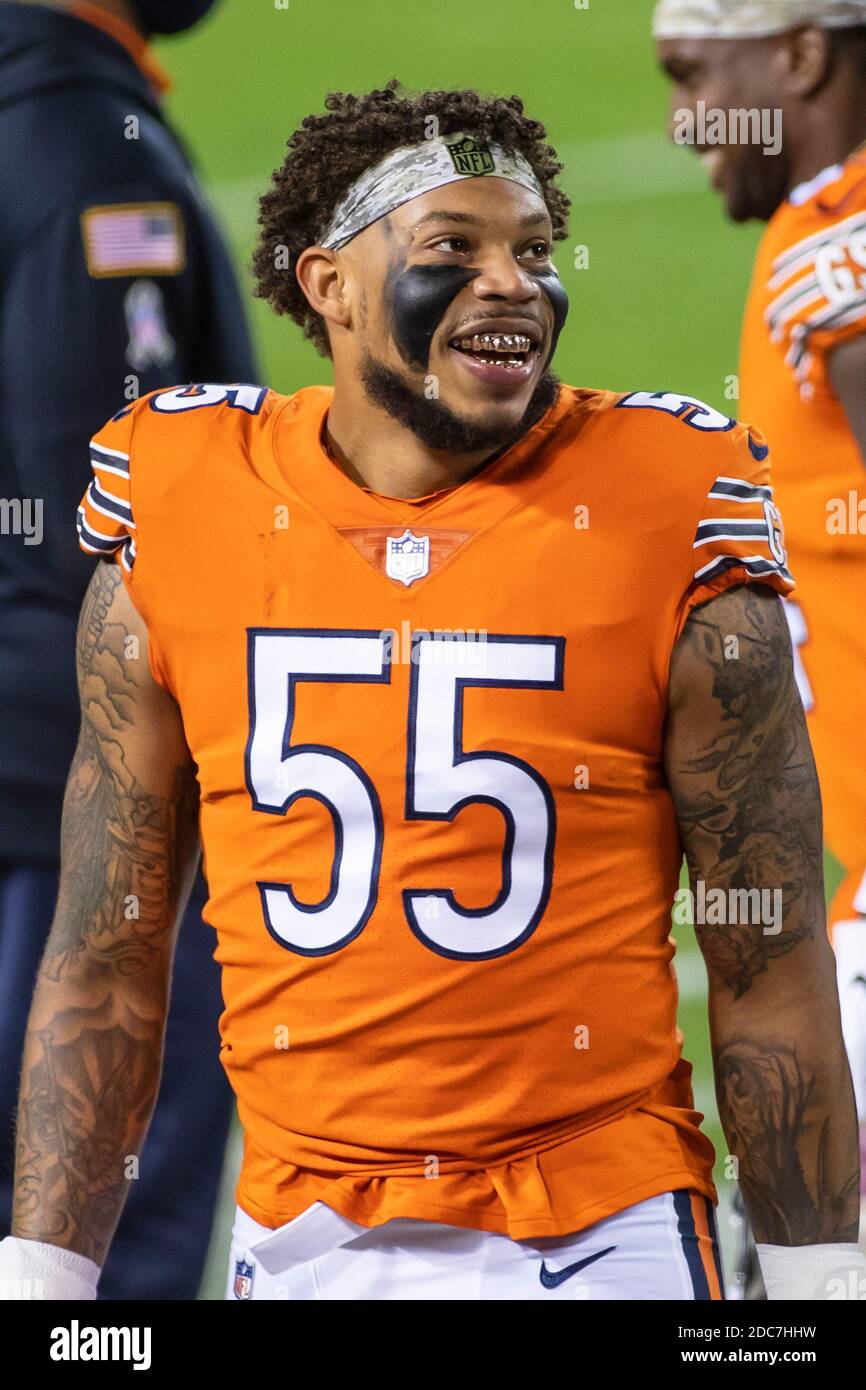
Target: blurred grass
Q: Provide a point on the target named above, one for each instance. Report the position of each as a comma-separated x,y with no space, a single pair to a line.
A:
659,305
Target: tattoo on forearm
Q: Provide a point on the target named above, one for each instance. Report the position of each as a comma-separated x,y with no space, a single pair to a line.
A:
81,1116
782,1138
745,789
91,1068
747,797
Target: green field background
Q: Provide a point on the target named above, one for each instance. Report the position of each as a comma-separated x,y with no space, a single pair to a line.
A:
658,307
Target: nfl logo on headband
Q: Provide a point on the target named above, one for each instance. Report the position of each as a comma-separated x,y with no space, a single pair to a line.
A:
412,170
470,158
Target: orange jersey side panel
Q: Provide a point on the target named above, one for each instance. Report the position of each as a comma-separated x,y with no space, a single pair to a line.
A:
808,295
439,845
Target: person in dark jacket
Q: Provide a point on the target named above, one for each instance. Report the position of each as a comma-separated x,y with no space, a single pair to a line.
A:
113,281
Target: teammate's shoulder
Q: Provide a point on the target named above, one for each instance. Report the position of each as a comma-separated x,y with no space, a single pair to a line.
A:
836,193
814,264
820,222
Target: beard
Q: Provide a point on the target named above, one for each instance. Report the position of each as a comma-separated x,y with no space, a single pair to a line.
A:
436,425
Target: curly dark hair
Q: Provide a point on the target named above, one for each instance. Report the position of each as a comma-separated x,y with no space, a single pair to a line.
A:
329,152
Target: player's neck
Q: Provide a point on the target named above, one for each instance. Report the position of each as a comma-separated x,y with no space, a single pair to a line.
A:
378,452
829,137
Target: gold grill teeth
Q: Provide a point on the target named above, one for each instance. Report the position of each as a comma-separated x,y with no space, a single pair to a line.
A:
496,342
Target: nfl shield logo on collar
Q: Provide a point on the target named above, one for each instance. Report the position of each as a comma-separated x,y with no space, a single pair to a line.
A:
243,1279
407,557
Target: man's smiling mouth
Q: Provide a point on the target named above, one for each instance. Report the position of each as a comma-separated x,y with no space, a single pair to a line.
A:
501,349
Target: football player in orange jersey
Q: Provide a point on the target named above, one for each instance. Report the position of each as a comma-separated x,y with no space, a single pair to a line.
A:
803,366
448,663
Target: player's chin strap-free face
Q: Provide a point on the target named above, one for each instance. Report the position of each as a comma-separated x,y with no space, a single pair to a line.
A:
418,295
751,19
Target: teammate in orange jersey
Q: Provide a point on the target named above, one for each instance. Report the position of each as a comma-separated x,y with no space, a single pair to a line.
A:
457,660
803,368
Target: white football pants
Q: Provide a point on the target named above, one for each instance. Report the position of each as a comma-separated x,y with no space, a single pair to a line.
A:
664,1248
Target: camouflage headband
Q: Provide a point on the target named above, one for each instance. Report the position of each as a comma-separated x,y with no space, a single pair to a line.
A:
408,172
751,19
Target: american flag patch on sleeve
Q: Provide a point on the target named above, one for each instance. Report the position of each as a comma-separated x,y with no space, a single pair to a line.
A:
133,239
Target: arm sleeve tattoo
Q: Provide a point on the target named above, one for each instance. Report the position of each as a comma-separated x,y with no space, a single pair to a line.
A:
129,847
745,789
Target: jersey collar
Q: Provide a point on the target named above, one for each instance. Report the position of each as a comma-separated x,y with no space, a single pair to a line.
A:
804,191
129,38
301,460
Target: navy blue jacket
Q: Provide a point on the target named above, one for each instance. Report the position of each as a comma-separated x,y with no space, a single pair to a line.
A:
70,342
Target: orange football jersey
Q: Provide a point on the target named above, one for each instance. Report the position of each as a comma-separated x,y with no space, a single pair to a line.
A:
808,295
439,845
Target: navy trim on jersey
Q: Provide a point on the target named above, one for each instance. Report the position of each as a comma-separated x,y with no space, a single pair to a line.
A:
105,502
691,1250
714,1232
105,544
110,460
753,529
689,411
190,394
756,568
736,490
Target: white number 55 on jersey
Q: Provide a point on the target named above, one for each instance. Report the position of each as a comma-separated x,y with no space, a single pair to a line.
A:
441,778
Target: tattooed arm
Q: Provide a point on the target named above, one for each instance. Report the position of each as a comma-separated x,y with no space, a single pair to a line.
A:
93,1051
743,780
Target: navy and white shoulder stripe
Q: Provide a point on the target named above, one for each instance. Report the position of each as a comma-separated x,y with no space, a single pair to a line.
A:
105,522
105,460
741,530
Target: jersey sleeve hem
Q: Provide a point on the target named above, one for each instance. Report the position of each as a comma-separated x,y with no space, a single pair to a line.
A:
733,577
739,537
107,528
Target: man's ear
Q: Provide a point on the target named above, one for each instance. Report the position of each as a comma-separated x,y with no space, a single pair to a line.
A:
323,282
809,55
